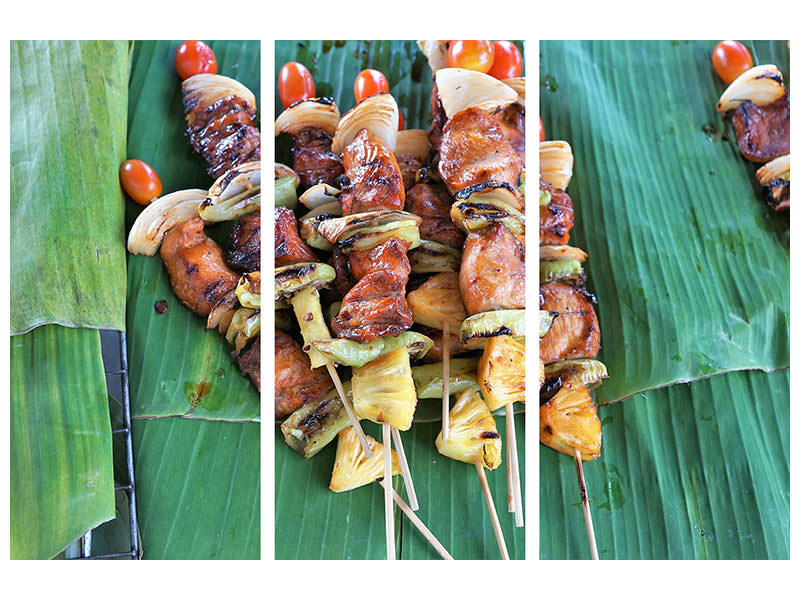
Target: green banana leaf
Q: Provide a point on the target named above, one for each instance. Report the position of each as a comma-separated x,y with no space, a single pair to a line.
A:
691,273
689,265
312,522
199,489
691,471
68,106
176,367
62,481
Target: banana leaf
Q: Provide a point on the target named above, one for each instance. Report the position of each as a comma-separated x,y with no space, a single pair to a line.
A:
68,106
691,471
311,522
176,367
689,265
62,481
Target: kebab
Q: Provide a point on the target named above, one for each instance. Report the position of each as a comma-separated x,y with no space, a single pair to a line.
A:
569,335
222,287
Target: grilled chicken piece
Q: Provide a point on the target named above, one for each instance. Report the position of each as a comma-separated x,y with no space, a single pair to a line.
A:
391,256
432,203
512,124
223,133
438,119
409,165
249,362
474,152
574,332
375,179
344,281
492,273
245,255
295,381
556,218
289,246
762,132
314,162
196,267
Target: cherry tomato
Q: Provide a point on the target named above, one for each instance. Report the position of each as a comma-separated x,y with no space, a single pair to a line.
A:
368,83
507,61
193,57
295,83
402,122
731,59
140,181
477,55
541,130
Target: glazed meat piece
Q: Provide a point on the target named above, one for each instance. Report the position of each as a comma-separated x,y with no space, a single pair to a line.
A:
295,381
512,124
474,152
376,306
289,246
432,203
574,332
375,179
556,218
245,255
223,133
344,280
409,165
249,362
492,273
438,119
762,132
391,256
196,267
314,162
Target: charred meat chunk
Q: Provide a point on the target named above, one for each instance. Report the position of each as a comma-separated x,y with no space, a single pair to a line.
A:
492,273
432,203
314,161
289,246
245,255
375,179
249,361
574,332
438,119
295,381
762,132
512,124
409,165
196,267
556,217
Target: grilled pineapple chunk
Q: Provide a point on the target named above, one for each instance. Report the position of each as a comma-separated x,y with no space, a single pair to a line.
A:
438,301
383,390
352,468
473,433
501,372
314,425
569,420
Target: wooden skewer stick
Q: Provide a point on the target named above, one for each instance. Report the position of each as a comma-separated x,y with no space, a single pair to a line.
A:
350,412
446,382
509,469
513,466
426,533
388,507
587,514
487,494
407,481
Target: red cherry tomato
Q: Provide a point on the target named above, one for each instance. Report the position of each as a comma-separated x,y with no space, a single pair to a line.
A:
368,83
295,83
731,59
402,122
477,55
193,57
541,130
140,181
507,61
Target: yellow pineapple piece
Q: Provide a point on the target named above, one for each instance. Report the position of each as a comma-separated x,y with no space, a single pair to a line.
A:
501,371
473,434
352,468
383,390
438,301
569,420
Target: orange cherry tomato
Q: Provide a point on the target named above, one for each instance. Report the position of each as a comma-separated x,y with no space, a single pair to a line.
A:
731,59
507,61
295,83
541,130
477,55
140,181
193,57
402,122
368,83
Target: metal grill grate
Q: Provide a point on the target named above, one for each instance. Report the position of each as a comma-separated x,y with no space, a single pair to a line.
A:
115,361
